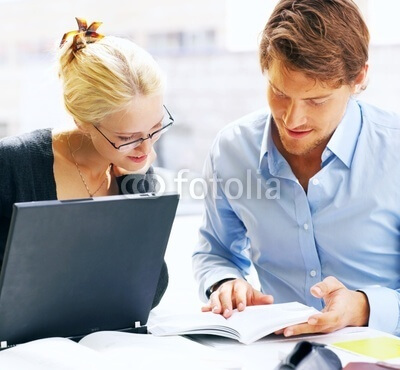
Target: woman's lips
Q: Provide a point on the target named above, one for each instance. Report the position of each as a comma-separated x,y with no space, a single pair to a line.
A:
298,134
138,159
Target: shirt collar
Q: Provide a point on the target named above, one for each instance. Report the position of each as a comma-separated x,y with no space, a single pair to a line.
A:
342,143
344,140
265,143
266,140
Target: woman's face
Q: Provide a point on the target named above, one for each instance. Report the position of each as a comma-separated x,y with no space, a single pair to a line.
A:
144,116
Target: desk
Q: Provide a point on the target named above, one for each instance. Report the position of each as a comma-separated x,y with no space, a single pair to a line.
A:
266,353
181,296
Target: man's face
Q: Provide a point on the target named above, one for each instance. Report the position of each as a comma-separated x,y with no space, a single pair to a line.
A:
305,112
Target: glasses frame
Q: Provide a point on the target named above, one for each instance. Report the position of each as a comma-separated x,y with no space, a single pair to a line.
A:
139,142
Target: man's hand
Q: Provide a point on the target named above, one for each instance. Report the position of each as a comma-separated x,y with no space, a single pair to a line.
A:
151,157
233,294
343,307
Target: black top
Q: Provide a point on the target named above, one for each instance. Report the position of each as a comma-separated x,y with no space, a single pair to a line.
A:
26,174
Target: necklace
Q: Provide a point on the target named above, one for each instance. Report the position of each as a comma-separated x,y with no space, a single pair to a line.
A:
80,173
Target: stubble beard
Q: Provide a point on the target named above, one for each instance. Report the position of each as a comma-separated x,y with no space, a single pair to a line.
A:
297,147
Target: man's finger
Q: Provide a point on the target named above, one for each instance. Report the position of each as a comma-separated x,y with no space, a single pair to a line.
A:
259,298
225,298
301,329
326,286
327,319
214,302
240,295
320,323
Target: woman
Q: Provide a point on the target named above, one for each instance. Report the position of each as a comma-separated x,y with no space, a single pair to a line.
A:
113,90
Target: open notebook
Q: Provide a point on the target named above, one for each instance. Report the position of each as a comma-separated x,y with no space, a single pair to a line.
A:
75,267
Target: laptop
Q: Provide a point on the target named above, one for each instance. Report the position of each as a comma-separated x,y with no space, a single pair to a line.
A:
75,267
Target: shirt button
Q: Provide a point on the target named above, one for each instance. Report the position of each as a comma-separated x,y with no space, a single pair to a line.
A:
313,273
305,226
315,181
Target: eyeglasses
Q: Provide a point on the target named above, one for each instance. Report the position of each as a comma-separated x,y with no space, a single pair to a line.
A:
154,136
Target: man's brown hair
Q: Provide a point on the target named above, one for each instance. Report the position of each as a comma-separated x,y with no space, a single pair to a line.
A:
325,39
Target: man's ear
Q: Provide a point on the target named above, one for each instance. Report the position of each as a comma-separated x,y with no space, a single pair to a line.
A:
360,81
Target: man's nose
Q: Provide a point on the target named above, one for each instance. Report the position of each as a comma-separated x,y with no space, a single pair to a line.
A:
295,115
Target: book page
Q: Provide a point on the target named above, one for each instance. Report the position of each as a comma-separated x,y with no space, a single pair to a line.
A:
191,321
247,326
145,351
54,354
256,322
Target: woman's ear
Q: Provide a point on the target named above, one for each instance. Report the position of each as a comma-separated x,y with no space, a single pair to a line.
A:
81,127
360,81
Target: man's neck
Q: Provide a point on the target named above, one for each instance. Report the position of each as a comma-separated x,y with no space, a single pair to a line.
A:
303,166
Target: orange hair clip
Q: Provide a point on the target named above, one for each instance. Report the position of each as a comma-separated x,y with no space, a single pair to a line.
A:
84,35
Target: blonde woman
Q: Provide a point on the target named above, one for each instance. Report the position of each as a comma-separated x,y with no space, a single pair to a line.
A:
113,91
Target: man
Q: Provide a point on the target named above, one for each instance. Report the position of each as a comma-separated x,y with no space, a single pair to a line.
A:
309,194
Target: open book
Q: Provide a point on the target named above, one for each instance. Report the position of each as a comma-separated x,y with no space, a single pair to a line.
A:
115,350
247,326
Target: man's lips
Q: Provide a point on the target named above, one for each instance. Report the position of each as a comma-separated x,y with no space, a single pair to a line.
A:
138,159
298,134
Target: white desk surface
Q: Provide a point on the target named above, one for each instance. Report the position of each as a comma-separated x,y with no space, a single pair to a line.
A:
267,353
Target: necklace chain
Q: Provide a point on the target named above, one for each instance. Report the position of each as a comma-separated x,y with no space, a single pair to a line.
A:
80,173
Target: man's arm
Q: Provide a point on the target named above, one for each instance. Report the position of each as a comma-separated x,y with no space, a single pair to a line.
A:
222,252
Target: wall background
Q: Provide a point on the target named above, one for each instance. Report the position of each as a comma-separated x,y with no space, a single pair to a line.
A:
208,50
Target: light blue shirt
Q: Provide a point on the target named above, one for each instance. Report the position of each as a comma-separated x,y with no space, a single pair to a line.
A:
347,224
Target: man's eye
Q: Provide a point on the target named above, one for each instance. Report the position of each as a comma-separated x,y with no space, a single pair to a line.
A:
317,103
279,94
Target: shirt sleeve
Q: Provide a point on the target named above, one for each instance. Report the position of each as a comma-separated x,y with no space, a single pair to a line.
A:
222,250
384,304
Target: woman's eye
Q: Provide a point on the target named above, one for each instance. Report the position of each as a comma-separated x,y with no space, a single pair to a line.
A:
124,138
157,127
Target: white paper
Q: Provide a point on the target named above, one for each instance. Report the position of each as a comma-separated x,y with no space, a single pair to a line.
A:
247,326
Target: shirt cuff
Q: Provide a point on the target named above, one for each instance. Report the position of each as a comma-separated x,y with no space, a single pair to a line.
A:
384,308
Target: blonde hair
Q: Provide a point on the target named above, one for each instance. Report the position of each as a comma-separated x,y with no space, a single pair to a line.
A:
104,77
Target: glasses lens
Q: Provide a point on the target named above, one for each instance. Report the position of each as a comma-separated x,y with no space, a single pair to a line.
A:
127,148
158,133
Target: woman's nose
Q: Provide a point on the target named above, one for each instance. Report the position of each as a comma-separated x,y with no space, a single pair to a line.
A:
145,146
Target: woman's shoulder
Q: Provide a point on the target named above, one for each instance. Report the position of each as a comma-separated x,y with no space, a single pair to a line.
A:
15,148
37,138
